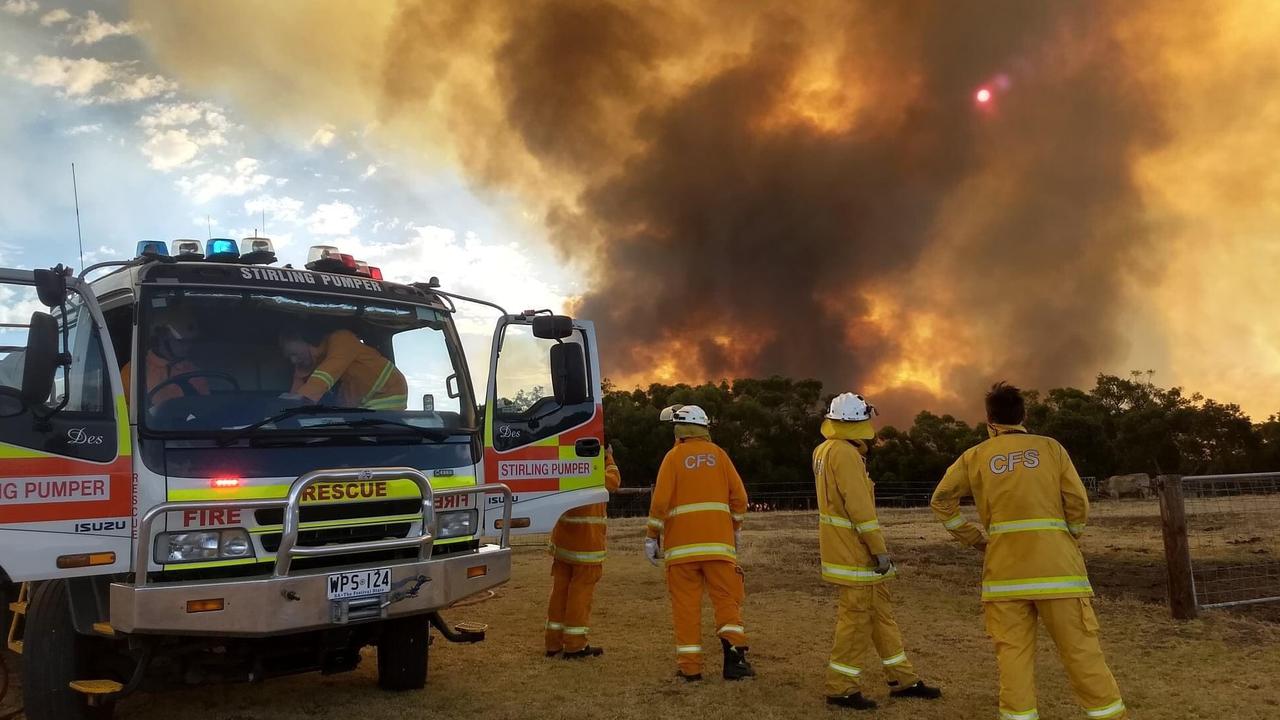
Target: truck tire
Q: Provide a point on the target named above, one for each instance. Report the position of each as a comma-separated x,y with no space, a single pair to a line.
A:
402,653
53,656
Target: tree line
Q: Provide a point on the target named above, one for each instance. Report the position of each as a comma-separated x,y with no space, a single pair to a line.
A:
769,426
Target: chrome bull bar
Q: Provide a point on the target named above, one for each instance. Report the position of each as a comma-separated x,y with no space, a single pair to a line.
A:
288,550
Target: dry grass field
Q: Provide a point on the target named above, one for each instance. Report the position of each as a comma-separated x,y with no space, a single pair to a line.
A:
1222,666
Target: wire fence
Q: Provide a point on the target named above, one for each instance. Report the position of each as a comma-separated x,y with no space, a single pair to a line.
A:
800,496
1233,534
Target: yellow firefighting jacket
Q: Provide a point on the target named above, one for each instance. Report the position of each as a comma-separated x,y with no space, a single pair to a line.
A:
579,536
364,377
849,534
1033,506
698,502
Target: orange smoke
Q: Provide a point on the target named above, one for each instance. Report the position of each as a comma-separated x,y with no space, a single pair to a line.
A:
809,188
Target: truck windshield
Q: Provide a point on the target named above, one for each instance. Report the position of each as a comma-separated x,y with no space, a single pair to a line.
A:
211,360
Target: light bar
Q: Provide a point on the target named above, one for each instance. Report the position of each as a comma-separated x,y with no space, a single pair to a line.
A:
362,268
152,247
375,273
221,249
322,252
187,249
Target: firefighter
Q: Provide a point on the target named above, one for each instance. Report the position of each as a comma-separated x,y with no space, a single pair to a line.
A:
854,556
342,367
1033,507
698,507
168,357
578,549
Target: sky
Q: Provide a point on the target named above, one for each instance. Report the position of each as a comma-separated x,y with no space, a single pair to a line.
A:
728,189
157,161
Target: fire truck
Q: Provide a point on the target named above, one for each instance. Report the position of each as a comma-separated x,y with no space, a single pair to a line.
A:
217,468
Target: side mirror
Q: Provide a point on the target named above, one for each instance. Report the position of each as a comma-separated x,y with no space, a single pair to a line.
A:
51,287
41,362
569,374
552,327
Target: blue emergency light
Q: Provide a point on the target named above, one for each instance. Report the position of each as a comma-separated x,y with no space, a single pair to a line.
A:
221,249
152,247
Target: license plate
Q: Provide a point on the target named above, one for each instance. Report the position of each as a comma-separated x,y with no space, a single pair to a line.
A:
359,583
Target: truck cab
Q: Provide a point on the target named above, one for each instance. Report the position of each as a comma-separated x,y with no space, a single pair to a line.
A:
215,467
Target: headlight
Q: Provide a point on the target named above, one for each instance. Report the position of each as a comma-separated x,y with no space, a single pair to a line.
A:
456,523
202,545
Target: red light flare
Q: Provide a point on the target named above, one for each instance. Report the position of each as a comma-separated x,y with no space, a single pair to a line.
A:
983,96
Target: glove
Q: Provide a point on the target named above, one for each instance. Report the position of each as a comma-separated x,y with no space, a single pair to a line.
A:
981,545
651,551
884,564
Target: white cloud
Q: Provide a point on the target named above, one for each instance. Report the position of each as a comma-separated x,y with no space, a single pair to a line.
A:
323,137
369,172
53,17
335,218
84,129
89,80
19,7
239,179
170,149
177,132
92,28
278,209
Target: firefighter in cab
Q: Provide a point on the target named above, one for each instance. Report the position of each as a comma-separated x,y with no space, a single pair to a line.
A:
337,365
577,549
168,361
1032,507
695,517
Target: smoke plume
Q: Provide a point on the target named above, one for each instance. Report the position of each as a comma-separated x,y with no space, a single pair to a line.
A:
810,189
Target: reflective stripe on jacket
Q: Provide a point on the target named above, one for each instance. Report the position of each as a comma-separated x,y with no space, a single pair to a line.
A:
849,535
579,537
1033,506
698,501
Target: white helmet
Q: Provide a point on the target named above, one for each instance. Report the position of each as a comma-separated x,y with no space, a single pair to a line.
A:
685,415
851,407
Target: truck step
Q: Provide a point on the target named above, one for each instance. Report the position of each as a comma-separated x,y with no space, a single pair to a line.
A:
104,629
19,607
94,688
471,631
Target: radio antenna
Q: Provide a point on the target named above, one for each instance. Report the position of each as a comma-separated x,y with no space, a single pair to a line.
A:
208,220
75,192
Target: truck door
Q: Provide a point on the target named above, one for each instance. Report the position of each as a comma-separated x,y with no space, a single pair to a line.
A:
66,478
543,422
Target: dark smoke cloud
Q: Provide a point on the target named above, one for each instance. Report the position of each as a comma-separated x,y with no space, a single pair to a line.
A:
724,224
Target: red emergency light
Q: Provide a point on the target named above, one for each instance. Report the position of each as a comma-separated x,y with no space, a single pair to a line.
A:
224,483
375,273
348,261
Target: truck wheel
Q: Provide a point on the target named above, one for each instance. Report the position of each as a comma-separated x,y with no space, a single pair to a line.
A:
53,656
402,653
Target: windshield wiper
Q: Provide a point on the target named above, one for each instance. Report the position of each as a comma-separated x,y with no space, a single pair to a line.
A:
435,434
231,436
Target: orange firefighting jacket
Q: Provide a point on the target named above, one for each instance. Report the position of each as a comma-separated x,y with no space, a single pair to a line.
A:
1033,506
849,535
159,370
579,536
363,376
698,502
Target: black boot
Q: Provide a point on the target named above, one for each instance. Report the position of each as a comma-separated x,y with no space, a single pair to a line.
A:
736,666
852,701
586,652
919,691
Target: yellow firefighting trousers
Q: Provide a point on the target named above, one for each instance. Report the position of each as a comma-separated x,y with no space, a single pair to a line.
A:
569,609
1074,629
864,623
723,581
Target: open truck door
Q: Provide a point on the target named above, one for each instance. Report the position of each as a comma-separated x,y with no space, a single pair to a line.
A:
543,421
66,498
